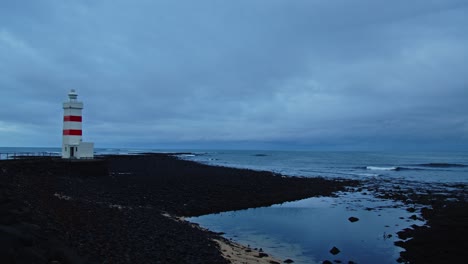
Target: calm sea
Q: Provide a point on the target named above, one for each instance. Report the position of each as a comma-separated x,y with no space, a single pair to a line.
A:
306,230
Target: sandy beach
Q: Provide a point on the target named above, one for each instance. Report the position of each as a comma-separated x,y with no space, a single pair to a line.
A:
58,212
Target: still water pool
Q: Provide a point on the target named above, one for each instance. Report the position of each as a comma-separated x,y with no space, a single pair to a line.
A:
306,230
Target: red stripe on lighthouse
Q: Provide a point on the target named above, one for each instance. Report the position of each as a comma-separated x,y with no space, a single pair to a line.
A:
72,132
72,118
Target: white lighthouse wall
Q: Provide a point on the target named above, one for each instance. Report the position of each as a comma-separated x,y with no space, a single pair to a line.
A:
71,140
72,125
85,150
66,151
73,106
72,111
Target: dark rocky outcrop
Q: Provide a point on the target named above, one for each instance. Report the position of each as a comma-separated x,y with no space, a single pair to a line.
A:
443,240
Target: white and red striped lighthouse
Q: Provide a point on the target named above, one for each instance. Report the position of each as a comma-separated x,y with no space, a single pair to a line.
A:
72,145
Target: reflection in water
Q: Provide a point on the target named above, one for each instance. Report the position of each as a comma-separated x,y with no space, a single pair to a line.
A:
306,230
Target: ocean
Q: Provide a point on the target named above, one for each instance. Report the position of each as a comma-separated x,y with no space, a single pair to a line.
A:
443,167
306,230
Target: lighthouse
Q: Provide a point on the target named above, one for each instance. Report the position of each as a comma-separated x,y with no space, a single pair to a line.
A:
72,145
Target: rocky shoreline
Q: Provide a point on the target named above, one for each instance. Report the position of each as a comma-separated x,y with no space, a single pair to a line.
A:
443,239
126,209
54,214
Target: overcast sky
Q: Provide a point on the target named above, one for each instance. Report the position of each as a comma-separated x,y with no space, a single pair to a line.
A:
312,74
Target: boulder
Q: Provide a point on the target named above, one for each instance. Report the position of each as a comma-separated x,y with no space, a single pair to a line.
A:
335,251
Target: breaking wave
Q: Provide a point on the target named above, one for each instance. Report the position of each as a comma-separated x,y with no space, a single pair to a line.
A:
420,167
383,168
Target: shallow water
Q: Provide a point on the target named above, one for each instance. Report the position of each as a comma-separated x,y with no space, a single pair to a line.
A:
306,230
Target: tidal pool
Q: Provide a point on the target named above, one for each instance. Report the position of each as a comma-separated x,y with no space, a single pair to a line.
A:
306,230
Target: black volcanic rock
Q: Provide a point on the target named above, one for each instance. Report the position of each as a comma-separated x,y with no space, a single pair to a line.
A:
125,212
334,251
442,240
353,219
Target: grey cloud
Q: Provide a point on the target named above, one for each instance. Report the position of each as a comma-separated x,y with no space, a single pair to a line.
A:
303,72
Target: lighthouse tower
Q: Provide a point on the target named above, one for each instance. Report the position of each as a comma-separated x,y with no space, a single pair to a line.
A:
72,145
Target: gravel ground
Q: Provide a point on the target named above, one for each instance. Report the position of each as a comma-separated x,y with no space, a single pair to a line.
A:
124,209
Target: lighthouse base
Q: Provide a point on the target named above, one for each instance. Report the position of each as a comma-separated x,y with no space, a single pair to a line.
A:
83,150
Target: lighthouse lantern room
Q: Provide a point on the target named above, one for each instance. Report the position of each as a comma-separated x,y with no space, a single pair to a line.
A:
72,145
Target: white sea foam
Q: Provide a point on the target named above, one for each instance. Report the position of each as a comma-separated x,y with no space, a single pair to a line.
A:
381,168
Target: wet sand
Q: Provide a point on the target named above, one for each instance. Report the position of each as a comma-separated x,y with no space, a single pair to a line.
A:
52,213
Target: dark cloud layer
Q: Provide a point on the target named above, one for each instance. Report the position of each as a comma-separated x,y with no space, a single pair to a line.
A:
361,74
